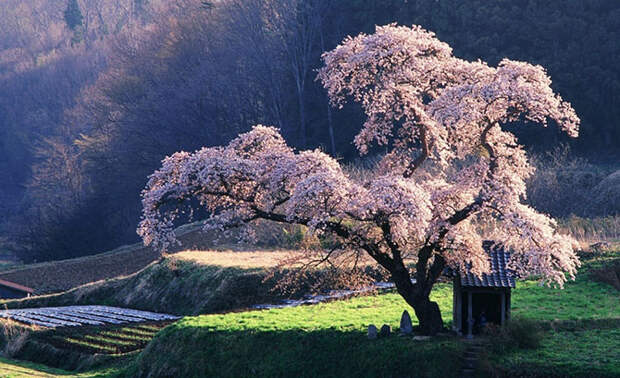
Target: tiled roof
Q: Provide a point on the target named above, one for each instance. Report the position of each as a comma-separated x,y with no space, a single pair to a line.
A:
16,286
499,276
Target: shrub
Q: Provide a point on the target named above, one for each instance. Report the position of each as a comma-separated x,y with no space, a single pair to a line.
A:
13,337
609,274
562,184
592,229
606,195
515,334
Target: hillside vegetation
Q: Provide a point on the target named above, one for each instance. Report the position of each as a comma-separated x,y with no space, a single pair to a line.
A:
63,275
14,369
184,284
578,325
89,110
329,339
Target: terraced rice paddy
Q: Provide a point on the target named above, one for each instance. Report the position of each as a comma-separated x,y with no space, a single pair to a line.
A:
114,339
76,316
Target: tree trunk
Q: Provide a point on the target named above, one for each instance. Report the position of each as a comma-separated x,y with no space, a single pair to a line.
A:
428,315
330,127
417,296
330,123
302,119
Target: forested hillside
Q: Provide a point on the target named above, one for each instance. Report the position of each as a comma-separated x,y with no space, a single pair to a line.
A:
94,93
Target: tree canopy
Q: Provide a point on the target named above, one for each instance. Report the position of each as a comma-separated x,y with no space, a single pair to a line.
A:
452,168
139,80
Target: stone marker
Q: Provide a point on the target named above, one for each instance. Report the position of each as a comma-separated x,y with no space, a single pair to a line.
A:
406,328
385,331
372,332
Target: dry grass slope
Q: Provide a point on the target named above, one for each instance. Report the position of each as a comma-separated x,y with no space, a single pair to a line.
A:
238,259
66,274
58,276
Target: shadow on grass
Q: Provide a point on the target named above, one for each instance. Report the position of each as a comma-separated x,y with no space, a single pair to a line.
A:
569,348
196,351
581,324
547,370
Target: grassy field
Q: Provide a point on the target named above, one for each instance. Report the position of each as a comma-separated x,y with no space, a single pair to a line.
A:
580,329
324,340
579,326
10,368
329,339
578,301
566,353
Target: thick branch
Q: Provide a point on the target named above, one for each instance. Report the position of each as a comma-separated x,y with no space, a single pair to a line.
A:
427,275
468,210
338,229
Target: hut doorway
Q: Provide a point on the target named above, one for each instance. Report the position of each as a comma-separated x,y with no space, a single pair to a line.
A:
490,304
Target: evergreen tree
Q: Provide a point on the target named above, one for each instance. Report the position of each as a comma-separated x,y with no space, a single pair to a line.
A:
73,15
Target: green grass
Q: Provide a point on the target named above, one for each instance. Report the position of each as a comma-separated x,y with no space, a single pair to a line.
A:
126,336
82,344
10,368
578,353
329,339
324,340
351,315
108,340
147,328
140,330
582,329
13,368
581,326
581,299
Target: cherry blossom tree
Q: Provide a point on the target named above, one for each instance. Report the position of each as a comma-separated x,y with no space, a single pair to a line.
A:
453,176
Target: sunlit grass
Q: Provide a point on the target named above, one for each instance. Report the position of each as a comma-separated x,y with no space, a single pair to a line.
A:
583,299
351,315
328,339
239,259
100,339
582,329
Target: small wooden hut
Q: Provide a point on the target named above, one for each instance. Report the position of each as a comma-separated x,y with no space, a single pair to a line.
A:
486,299
12,290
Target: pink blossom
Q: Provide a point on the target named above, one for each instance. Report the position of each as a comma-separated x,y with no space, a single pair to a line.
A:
453,167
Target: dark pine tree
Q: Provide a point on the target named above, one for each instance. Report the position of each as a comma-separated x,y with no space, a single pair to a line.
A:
73,15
